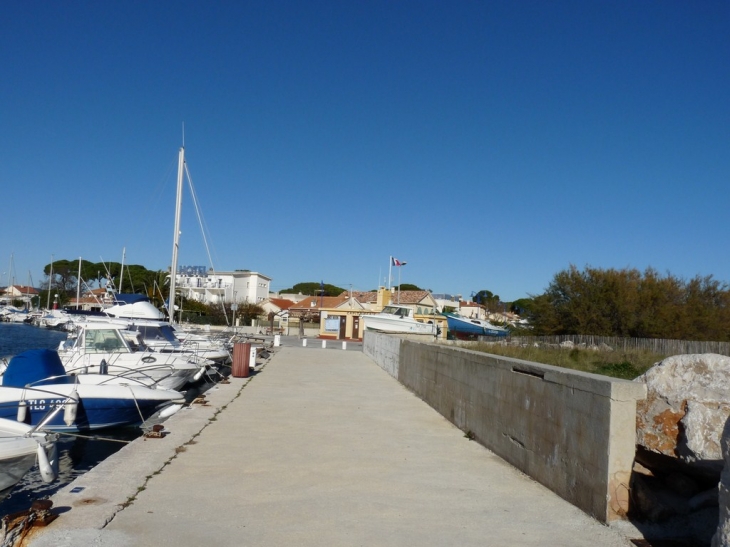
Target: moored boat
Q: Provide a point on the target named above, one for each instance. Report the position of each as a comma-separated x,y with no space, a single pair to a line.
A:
468,326
21,447
398,320
37,391
123,353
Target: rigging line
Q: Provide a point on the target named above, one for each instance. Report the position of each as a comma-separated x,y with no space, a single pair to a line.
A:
153,198
131,282
96,297
199,215
203,232
134,398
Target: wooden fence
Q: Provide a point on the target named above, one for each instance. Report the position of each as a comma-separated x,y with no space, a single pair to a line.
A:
663,347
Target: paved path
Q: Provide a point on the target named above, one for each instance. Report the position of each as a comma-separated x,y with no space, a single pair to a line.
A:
320,448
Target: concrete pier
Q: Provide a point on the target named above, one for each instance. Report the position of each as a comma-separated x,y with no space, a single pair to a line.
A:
320,447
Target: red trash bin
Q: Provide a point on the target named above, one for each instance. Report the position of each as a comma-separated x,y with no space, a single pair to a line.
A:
241,358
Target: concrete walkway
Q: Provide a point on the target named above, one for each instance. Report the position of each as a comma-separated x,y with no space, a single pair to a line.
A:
320,447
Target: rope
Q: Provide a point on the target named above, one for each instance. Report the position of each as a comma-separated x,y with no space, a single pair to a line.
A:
10,535
92,437
141,417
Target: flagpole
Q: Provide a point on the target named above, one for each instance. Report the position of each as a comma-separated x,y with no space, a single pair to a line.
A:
390,277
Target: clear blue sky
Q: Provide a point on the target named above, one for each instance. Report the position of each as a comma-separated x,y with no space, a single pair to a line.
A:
488,144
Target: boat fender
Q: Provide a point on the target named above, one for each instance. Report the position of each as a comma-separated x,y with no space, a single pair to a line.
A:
169,410
22,411
48,474
70,408
199,374
52,452
103,367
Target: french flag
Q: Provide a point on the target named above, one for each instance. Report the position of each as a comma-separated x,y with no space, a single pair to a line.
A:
397,262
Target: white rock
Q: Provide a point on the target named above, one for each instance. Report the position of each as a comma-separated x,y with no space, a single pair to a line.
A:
687,405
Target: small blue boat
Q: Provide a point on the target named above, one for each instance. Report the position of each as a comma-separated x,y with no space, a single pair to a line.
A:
37,390
467,326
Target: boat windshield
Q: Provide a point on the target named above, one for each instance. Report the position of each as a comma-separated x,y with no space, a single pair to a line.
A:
395,310
153,333
104,341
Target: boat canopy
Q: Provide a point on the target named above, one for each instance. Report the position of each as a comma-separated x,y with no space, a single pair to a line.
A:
34,365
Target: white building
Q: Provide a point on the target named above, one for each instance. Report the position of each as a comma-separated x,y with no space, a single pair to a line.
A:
239,286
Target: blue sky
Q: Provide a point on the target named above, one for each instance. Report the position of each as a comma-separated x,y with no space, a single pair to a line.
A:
488,144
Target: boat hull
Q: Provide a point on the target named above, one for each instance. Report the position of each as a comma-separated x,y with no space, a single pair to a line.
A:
99,407
473,327
397,325
19,447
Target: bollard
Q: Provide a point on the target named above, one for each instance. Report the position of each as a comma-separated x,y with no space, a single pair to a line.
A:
277,340
252,357
241,359
344,345
324,344
304,343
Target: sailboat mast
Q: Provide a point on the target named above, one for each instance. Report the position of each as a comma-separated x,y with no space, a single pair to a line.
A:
121,274
78,287
176,235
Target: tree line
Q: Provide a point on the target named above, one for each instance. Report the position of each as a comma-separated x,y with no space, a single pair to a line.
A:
630,303
62,278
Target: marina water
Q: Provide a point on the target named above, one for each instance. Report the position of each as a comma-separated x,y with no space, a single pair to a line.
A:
77,454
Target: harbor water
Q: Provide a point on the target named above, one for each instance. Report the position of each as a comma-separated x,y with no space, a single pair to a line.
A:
77,454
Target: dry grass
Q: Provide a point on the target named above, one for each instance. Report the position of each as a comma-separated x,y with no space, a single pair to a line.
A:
618,364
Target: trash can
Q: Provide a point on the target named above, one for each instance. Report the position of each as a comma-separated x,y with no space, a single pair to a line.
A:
241,359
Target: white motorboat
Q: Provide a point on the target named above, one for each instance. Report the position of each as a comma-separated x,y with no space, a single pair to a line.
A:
161,336
398,320
133,306
54,319
21,447
11,314
36,390
96,346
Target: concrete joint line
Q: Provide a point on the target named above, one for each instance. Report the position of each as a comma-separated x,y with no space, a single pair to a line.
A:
178,451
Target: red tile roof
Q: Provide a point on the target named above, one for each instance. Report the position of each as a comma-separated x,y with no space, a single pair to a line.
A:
281,303
317,302
408,297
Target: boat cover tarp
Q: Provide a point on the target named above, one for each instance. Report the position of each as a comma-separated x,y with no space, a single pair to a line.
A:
34,365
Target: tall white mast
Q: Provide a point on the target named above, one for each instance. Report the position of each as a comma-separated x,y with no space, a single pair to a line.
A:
121,274
78,287
176,235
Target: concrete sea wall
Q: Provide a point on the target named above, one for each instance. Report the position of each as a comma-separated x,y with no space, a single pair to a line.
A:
571,431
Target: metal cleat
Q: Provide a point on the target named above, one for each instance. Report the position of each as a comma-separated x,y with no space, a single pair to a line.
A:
158,432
